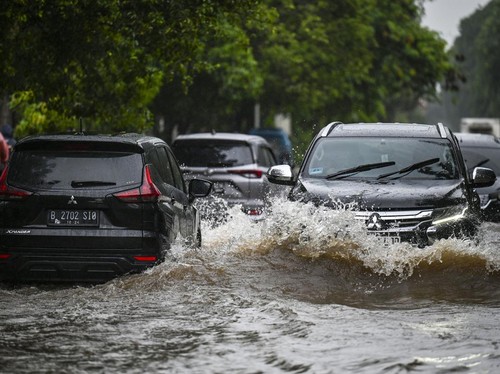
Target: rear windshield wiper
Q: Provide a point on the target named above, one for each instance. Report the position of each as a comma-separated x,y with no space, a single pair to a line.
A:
410,168
79,184
358,169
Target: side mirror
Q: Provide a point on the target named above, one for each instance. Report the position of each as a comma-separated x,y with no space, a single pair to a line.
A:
281,174
199,188
483,177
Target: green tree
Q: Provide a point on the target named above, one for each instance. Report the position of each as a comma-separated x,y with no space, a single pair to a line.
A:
350,60
104,60
476,54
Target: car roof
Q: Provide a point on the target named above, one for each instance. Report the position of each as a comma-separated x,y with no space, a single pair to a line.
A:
130,139
222,136
406,130
476,139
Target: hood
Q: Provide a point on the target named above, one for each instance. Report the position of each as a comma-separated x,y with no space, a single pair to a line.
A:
378,195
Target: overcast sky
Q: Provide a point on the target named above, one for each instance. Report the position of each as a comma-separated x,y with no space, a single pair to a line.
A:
444,15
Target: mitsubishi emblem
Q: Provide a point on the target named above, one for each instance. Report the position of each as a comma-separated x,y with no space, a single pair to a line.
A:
72,200
375,222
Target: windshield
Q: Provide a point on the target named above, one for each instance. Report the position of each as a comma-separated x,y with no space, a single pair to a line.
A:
74,169
212,153
381,157
484,157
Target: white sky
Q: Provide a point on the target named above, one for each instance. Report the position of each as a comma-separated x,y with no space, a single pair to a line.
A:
444,15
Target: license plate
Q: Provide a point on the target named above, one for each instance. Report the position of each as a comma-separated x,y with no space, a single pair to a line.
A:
390,239
72,218
386,239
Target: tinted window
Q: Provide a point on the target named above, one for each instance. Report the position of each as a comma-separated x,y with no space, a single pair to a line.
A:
58,170
265,157
178,180
482,156
212,153
163,166
331,155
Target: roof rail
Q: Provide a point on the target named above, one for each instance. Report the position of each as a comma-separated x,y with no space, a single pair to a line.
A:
441,129
328,128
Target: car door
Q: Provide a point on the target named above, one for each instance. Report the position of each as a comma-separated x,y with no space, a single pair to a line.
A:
175,190
189,226
168,221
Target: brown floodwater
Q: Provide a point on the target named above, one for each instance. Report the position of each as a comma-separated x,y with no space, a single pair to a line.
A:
305,291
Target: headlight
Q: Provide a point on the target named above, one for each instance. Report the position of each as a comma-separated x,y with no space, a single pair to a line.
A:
449,215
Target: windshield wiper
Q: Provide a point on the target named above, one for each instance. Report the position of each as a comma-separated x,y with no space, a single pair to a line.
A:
410,168
79,184
360,168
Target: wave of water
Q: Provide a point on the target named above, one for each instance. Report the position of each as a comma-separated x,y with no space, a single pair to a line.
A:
326,256
319,232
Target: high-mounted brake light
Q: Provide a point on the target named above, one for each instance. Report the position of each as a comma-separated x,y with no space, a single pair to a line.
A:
8,192
249,173
148,192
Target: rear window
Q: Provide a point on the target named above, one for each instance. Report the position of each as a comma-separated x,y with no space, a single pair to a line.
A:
212,153
48,170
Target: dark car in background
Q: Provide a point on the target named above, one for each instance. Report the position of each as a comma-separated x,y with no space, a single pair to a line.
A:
235,163
406,182
279,141
92,207
484,150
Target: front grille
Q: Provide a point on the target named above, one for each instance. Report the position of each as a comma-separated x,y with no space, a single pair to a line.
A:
409,226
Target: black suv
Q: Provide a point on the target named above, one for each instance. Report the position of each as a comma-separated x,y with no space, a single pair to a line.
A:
484,150
407,182
92,207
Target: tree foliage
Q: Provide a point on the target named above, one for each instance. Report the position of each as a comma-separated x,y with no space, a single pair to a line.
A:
104,60
476,53
351,60
202,64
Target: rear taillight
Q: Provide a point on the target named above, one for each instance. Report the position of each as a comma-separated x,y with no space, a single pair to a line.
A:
249,173
4,256
8,192
146,258
148,192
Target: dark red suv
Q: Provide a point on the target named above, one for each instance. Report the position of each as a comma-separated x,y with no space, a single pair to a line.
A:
92,207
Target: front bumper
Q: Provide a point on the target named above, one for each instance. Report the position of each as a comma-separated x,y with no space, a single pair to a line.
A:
416,227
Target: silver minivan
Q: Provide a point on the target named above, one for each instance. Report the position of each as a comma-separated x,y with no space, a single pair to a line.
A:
236,164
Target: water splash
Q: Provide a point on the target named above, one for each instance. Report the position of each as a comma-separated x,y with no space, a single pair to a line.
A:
317,233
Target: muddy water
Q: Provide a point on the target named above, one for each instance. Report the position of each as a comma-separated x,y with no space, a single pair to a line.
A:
306,291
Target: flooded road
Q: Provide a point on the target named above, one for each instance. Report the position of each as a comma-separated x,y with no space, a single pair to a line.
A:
306,291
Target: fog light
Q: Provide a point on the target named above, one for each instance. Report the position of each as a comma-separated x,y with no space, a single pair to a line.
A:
431,233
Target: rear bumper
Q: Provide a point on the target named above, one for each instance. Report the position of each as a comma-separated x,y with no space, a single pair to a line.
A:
64,267
76,255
